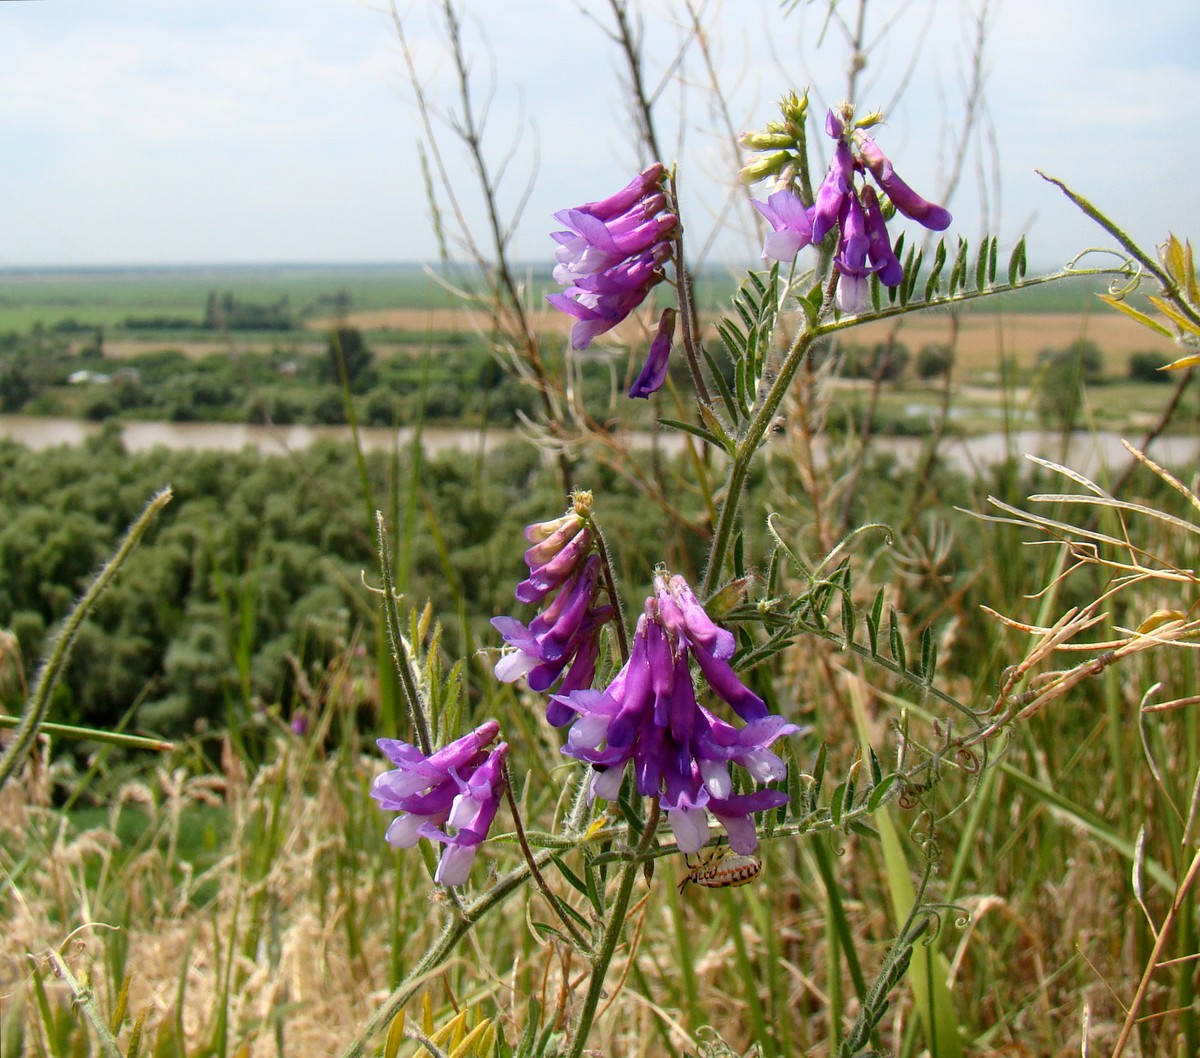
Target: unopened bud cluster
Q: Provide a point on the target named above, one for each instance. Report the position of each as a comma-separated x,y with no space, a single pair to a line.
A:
562,559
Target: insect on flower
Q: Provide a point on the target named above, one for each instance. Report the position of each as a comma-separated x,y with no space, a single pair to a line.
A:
719,867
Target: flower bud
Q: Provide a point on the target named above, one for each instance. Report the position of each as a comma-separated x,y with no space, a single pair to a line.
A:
760,168
767,140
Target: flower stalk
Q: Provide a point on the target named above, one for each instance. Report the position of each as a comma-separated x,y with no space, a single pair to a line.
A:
536,873
614,927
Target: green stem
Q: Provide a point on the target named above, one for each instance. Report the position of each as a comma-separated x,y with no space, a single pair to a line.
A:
757,428
86,999
52,668
454,930
554,902
743,455
612,935
400,659
610,586
92,734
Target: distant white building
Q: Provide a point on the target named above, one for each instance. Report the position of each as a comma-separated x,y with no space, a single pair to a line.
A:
82,378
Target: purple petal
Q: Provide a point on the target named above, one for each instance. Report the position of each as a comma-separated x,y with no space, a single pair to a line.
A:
628,195
883,258
654,372
851,259
903,197
697,625
833,192
722,679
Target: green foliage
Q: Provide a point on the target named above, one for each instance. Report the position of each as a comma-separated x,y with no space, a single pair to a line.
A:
1065,373
252,579
347,357
934,361
1147,367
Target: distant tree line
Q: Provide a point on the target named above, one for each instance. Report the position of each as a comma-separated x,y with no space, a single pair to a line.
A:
228,312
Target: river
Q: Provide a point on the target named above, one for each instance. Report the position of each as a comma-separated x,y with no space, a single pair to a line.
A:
1087,453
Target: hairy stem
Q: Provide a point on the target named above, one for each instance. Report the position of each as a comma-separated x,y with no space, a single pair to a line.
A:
400,658
52,668
536,872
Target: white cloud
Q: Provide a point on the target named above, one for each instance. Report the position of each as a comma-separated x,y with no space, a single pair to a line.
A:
226,131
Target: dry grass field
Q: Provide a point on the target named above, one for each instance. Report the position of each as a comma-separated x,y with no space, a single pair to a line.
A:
982,337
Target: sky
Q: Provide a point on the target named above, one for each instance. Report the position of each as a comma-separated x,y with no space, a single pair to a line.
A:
227,131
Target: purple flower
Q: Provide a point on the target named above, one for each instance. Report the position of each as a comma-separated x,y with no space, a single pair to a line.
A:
851,259
611,255
555,637
562,640
879,246
834,190
683,615
654,373
459,785
903,197
680,751
471,816
792,225
645,182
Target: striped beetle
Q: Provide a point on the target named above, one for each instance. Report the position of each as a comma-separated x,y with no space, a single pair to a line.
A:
718,867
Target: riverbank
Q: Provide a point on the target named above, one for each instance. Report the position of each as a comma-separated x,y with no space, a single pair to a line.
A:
1086,452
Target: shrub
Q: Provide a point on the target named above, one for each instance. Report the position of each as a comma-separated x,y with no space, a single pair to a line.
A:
1144,367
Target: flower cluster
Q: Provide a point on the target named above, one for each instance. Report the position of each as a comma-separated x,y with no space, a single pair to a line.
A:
612,255
458,786
854,207
681,752
567,631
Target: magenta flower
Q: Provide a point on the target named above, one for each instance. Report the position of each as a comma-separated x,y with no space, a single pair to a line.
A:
654,372
458,786
641,185
681,752
611,255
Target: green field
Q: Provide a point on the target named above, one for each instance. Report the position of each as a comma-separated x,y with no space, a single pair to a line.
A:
107,297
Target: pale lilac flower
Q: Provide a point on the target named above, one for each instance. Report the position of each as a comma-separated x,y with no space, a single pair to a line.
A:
846,202
681,752
654,372
471,816
458,785
791,222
